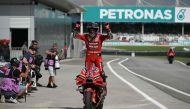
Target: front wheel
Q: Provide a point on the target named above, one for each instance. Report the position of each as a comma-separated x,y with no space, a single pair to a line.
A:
88,101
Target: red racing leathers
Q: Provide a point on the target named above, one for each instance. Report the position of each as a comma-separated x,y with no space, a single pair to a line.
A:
171,52
94,49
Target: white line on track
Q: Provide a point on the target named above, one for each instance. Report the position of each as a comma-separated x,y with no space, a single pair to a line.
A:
182,63
134,87
148,79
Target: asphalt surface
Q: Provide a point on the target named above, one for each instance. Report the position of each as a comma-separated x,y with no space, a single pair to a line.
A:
125,90
174,75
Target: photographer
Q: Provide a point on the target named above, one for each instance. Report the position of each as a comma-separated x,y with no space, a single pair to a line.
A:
38,59
28,60
52,54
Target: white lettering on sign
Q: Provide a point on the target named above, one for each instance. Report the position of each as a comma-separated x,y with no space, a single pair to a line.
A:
128,14
158,15
120,12
103,13
168,14
148,14
112,14
138,14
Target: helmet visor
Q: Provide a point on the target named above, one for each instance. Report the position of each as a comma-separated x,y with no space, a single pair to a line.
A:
92,32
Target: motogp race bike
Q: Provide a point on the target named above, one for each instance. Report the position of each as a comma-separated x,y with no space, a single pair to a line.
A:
93,88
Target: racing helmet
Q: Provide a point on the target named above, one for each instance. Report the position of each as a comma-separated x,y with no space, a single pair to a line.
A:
92,29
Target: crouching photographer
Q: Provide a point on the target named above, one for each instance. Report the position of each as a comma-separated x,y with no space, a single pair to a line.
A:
11,85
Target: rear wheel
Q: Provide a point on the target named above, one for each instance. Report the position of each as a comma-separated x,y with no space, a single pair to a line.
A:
171,59
88,102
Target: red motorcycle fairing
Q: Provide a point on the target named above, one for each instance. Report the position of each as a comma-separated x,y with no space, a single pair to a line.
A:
97,80
81,78
95,76
93,85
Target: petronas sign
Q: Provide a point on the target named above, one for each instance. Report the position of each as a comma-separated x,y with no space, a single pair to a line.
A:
136,14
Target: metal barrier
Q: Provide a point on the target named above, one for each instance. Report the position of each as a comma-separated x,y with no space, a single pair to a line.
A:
16,52
143,53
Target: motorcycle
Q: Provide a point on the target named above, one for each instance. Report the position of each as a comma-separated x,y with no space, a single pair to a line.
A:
170,59
93,88
171,55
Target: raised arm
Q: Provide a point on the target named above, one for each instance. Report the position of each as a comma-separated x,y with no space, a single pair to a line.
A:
109,33
76,32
